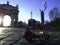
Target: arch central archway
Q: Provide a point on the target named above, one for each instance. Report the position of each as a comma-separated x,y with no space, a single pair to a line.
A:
6,20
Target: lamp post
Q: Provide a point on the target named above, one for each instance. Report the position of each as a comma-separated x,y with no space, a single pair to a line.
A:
42,13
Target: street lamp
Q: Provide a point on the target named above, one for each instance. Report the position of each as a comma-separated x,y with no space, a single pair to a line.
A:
42,13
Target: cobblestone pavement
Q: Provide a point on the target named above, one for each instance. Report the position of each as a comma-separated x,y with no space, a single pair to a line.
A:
14,36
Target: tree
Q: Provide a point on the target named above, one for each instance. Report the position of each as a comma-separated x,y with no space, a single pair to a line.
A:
54,13
45,22
22,24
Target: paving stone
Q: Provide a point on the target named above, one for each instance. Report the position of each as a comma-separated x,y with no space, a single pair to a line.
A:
13,36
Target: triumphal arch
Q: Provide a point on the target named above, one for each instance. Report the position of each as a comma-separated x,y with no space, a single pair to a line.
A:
7,10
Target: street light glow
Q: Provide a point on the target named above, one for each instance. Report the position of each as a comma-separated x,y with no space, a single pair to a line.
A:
41,32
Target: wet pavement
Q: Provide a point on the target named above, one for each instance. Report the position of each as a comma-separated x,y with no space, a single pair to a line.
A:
14,36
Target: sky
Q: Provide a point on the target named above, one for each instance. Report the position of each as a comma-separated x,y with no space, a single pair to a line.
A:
26,6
